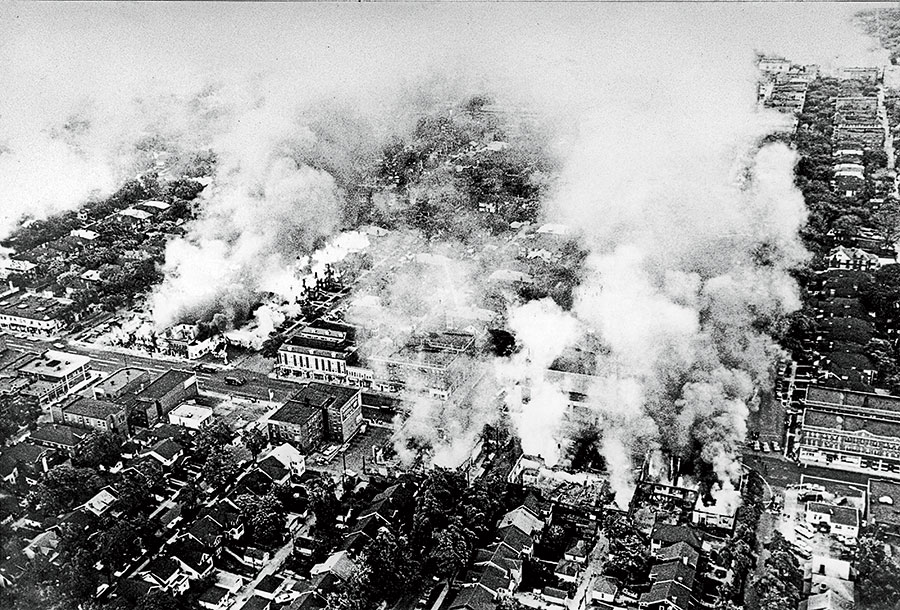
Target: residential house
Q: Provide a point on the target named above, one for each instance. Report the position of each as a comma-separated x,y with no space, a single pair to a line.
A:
166,452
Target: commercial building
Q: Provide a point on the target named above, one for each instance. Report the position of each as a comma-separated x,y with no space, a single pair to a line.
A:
298,423
123,382
322,351
193,417
848,430
30,314
55,373
318,411
100,415
436,363
164,394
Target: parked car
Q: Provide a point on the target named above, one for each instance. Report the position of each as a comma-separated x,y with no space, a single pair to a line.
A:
206,368
229,380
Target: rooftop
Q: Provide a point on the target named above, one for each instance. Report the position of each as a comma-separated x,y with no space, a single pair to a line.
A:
59,434
884,501
843,515
30,306
90,407
119,379
165,383
191,412
54,363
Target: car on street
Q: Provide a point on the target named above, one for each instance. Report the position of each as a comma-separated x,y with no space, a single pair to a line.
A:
231,380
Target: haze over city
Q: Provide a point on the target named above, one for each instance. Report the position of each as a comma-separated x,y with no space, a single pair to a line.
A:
449,306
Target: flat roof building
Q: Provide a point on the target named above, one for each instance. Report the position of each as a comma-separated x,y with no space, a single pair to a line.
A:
56,373
848,430
162,395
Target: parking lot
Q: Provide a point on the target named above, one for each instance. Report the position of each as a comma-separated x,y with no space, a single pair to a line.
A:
356,453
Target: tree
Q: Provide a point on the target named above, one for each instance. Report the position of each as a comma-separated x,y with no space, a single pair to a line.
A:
255,441
159,600
264,517
878,580
221,466
392,566
324,504
63,487
450,552
99,449
136,485
120,542
213,437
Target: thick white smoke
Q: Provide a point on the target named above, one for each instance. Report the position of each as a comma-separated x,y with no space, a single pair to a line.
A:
689,259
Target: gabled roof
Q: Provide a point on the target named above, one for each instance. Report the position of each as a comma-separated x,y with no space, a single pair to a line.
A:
523,519
516,539
567,567
167,449
473,597
273,468
59,434
162,568
205,530
679,551
670,534
269,584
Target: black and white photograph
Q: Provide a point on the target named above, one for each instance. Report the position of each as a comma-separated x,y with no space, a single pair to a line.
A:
449,306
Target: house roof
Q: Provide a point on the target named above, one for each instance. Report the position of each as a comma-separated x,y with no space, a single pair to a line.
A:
516,539
605,585
269,584
255,602
675,571
473,597
213,595
162,568
675,593
205,530
167,449
523,519
59,434
679,551
670,534
567,567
